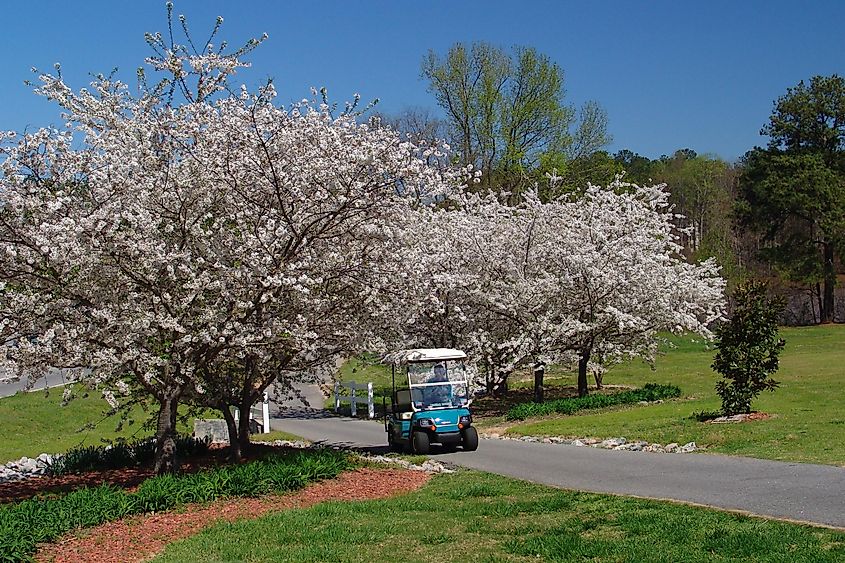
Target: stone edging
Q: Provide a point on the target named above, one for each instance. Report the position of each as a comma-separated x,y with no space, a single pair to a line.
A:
620,444
27,467
429,465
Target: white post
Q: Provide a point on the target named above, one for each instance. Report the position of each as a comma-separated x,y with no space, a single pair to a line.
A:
237,415
353,401
265,408
336,396
371,408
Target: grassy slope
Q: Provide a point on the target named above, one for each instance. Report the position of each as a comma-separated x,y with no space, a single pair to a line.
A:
471,516
33,423
808,409
36,422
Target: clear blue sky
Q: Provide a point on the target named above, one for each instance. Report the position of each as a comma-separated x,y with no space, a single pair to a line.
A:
670,74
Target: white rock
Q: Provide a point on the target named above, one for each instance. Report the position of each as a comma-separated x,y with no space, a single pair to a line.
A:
671,447
688,447
613,442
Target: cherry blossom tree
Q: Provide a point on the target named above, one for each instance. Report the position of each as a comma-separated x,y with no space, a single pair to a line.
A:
590,278
624,278
196,241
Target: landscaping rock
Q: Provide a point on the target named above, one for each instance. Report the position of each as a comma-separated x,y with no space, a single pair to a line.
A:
611,443
688,447
429,465
213,428
26,467
619,444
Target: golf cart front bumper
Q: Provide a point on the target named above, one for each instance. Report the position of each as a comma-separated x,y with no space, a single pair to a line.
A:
447,437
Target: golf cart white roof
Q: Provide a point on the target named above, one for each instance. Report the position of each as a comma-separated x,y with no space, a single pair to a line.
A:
425,355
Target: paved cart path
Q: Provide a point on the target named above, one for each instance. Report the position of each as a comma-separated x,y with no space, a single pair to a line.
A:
53,378
811,493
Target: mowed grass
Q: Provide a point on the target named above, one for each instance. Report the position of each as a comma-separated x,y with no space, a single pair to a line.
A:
36,422
808,410
471,516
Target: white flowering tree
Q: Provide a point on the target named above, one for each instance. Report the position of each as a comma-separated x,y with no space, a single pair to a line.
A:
622,278
193,242
591,278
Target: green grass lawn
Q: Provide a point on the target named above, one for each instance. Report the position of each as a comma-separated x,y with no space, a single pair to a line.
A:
472,516
36,422
808,410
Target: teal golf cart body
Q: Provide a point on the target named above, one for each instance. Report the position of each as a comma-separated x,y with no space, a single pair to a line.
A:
430,401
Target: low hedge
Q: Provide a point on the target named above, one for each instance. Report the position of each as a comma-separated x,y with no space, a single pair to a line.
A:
649,392
122,454
25,524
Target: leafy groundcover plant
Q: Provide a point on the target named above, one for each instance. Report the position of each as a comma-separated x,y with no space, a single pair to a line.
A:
649,392
123,454
25,524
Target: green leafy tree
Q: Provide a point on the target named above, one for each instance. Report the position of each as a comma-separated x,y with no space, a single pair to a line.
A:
506,110
793,192
638,169
748,348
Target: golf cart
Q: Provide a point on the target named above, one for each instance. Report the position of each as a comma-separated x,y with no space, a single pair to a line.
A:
430,401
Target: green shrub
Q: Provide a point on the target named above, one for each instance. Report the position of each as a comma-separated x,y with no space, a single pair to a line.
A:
748,348
122,454
649,392
25,524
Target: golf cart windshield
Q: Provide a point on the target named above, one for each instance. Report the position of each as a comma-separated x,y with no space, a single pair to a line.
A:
438,384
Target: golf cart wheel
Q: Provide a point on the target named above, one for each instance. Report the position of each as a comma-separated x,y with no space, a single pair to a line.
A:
420,443
470,439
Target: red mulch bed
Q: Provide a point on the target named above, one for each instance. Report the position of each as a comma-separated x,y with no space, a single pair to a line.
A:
141,537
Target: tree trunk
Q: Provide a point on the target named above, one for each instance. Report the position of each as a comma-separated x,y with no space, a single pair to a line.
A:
598,375
829,284
232,427
165,458
583,360
500,389
243,424
539,372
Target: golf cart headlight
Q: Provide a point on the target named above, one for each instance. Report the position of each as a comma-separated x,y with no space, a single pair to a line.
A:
465,419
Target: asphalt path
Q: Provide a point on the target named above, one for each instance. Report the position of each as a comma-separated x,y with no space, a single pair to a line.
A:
794,491
53,378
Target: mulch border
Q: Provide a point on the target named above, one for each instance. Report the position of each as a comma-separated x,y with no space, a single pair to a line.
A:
141,537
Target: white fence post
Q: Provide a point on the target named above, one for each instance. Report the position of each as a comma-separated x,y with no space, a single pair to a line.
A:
265,410
353,397
336,396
